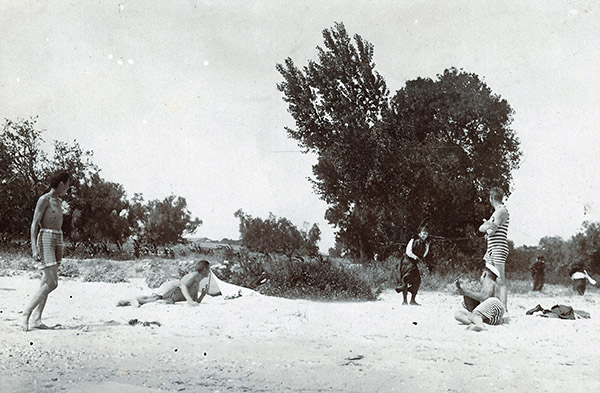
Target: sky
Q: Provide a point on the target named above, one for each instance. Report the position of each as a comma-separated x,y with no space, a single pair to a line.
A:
180,97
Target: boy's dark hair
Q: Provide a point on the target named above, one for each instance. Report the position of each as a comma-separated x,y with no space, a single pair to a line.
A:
59,177
202,265
497,194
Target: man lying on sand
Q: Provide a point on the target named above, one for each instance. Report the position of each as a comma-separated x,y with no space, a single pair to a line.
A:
185,289
484,306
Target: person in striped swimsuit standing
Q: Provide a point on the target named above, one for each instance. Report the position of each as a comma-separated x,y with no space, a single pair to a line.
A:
496,231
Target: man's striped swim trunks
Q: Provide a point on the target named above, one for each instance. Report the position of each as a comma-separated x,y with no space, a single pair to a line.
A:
50,246
491,311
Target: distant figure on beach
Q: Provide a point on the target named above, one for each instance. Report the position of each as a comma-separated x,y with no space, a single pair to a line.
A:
537,273
407,275
47,245
185,289
496,231
483,306
580,278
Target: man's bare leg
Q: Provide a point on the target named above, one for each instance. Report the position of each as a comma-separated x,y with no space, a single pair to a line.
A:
502,286
404,295
48,284
463,316
37,314
147,299
477,322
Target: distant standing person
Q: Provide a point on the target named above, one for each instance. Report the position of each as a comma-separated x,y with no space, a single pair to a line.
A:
537,273
496,231
47,245
409,279
580,278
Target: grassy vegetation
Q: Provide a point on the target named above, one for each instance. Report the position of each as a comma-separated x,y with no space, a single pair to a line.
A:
317,278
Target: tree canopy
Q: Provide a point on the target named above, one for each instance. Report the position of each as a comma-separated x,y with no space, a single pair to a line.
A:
277,235
386,164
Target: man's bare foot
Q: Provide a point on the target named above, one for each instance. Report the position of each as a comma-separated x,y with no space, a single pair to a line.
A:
25,325
43,326
476,328
413,303
404,303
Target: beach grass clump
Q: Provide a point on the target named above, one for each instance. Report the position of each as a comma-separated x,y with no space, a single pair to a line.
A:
69,268
104,271
322,279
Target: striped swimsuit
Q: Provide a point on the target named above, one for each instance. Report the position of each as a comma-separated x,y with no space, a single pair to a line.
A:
491,311
497,243
50,246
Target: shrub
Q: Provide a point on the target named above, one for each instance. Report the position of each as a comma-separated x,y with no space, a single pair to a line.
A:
68,268
103,271
321,279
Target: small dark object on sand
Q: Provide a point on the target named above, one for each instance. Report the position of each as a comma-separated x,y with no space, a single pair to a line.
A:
134,322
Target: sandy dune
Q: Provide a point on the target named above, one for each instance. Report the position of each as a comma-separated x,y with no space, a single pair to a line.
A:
266,344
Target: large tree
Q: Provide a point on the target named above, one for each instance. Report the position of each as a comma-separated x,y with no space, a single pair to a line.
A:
337,103
386,165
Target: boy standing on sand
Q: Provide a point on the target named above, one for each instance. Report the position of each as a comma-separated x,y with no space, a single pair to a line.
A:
47,245
496,232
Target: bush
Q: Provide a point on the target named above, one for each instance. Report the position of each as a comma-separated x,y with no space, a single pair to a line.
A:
68,268
103,271
322,279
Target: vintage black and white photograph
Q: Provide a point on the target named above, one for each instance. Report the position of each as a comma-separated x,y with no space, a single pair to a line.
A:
221,196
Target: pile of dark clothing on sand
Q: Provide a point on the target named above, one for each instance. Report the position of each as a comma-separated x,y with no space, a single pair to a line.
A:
559,311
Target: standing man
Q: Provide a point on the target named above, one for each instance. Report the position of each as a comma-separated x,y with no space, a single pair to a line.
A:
47,245
496,231
537,273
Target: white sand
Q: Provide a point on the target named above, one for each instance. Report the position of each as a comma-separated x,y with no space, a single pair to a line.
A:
266,344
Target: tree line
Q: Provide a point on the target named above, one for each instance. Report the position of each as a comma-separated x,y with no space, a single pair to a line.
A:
98,216
581,250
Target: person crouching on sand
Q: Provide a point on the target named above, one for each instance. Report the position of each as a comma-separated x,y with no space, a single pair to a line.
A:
185,289
484,306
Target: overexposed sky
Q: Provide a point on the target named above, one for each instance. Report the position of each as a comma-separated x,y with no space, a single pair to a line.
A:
180,97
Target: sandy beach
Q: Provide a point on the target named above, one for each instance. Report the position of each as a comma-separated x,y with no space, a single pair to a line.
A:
266,344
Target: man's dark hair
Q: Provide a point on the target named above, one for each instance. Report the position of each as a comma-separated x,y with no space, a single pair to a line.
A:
201,265
59,177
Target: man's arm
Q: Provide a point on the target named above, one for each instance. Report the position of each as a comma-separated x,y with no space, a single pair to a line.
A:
497,219
40,208
202,294
186,282
409,250
485,292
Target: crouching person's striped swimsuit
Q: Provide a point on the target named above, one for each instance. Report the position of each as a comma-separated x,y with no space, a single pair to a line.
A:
491,311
